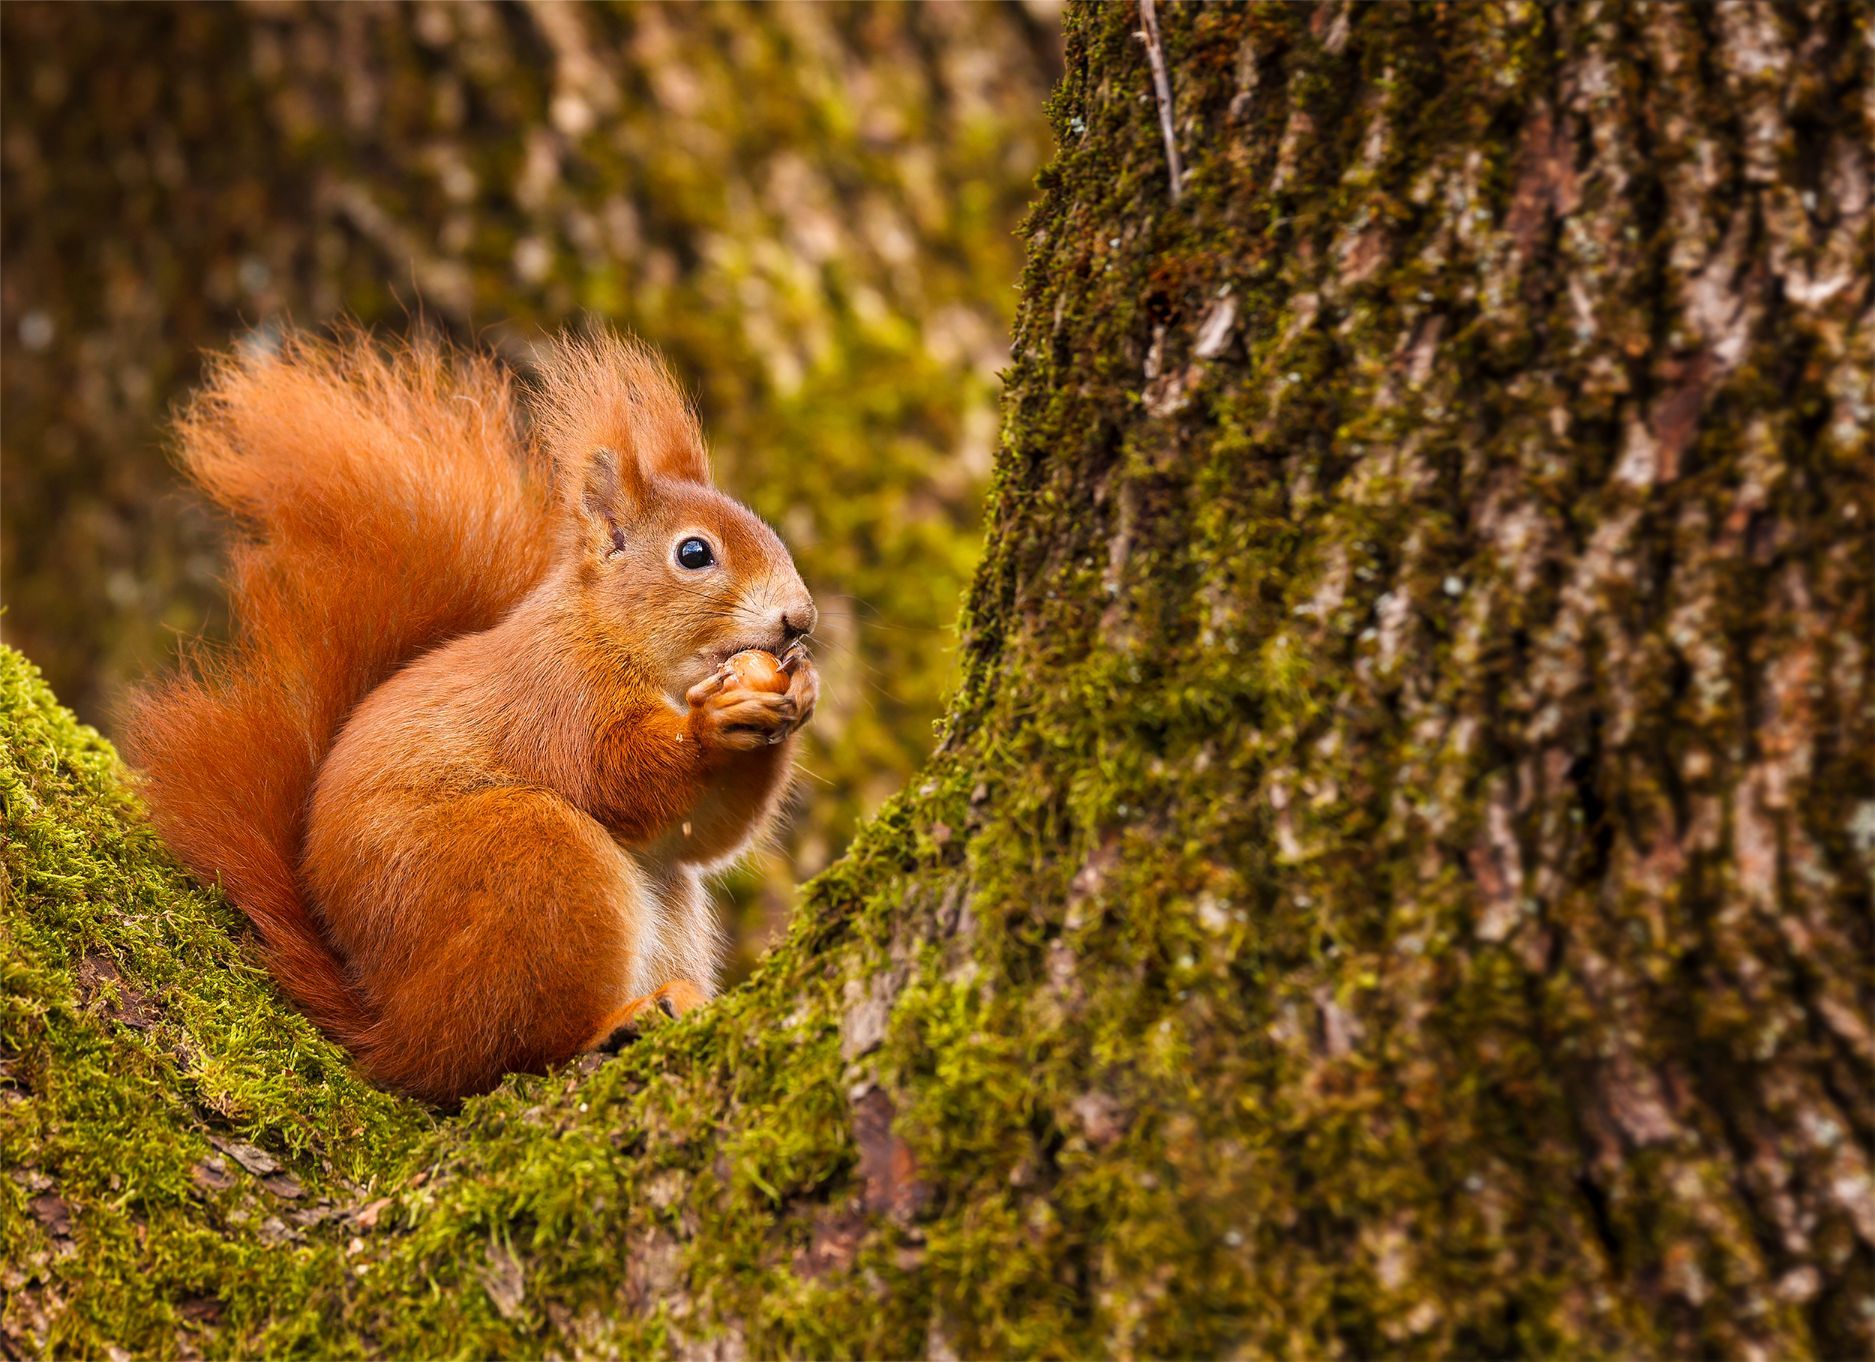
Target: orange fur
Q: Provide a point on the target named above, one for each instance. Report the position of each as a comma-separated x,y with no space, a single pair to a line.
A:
474,744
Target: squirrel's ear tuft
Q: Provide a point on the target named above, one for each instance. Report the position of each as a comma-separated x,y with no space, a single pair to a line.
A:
605,390
679,455
610,493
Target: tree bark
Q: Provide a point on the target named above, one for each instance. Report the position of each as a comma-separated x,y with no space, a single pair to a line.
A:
1397,875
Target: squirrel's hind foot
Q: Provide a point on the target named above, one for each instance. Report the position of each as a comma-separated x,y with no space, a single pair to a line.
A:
626,1023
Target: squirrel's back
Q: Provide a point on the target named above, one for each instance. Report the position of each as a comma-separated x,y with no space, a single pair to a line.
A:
385,502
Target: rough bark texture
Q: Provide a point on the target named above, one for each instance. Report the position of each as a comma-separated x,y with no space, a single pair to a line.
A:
1397,877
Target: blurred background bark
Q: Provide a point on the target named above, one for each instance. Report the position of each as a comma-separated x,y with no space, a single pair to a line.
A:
810,207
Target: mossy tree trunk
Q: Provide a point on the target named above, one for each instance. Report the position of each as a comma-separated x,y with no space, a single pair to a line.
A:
1397,874
1418,699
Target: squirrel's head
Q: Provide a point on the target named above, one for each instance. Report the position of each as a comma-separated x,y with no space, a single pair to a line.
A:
679,575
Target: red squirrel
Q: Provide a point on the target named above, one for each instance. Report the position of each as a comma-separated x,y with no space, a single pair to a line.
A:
478,738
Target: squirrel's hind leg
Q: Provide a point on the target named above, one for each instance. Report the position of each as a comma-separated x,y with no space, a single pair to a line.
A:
533,932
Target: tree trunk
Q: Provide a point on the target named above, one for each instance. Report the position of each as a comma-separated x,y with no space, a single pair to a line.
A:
1397,876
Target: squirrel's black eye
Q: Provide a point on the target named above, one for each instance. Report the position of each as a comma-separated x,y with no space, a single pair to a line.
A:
694,554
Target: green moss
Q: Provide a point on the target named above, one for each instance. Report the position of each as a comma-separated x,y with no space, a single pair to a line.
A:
139,1034
141,1040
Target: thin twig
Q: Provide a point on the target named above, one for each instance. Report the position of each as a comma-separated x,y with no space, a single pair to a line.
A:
1162,89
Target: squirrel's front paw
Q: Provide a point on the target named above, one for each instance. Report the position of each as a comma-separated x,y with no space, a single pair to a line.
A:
803,683
724,713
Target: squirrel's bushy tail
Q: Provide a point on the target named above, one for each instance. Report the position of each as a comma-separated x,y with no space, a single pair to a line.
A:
384,505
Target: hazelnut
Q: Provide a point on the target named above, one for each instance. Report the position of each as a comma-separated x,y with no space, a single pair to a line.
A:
757,670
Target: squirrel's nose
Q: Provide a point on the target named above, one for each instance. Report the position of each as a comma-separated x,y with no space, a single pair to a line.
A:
798,620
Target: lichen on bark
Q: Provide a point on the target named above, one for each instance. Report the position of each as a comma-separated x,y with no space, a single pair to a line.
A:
1397,875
